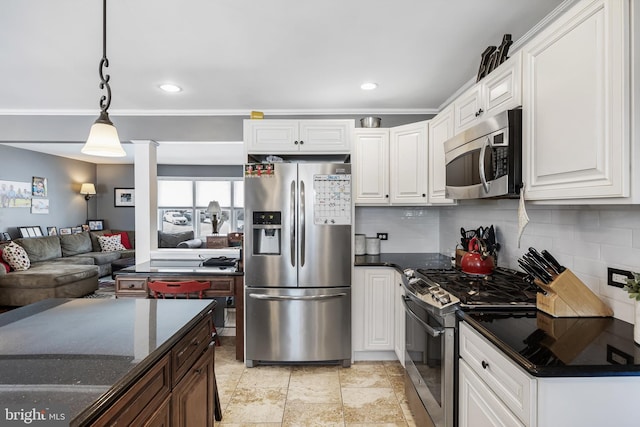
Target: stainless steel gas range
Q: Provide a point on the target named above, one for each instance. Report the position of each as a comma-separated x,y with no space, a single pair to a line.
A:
432,299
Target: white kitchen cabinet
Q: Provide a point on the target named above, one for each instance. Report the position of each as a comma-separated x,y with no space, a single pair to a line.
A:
391,165
506,382
440,130
499,91
371,169
478,405
576,105
298,136
373,313
408,169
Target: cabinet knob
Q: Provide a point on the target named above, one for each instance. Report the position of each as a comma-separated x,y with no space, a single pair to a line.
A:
386,196
131,286
480,111
295,142
485,365
424,195
301,142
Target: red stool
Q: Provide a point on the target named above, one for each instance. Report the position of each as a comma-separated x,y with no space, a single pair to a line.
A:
162,289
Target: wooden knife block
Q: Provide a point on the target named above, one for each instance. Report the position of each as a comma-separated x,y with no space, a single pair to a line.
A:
567,296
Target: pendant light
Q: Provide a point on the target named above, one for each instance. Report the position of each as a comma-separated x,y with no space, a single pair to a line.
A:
103,138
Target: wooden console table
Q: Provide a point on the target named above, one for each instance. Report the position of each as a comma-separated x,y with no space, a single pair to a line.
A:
131,282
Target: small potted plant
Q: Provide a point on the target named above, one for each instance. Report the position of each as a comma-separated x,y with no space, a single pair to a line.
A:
633,289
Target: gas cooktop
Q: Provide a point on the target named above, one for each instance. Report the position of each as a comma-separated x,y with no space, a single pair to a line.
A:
504,288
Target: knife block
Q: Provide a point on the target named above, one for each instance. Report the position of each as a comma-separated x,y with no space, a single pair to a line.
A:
568,296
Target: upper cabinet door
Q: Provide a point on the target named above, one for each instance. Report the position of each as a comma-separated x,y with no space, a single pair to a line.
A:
371,166
271,136
330,136
468,108
408,164
576,105
502,89
440,130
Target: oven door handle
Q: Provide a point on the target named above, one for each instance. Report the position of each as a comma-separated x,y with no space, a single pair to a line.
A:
434,332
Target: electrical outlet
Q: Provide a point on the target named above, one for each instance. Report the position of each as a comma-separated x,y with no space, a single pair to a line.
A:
383,236
618,278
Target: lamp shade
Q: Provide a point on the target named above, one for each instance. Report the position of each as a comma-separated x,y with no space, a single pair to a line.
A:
88,189
103,139
214,208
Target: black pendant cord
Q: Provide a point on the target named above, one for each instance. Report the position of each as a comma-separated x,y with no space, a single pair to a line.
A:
105,100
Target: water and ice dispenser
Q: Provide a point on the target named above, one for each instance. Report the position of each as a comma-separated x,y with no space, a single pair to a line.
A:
267,233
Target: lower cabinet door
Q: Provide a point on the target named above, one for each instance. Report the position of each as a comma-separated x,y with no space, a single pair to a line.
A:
162,416
192,402
478,405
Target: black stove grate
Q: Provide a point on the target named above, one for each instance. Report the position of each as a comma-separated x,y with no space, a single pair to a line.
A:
503,287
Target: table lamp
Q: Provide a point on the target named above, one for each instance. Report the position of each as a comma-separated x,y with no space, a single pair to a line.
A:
216,212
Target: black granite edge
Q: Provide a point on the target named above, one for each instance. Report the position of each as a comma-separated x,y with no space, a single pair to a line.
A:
550,371
117,390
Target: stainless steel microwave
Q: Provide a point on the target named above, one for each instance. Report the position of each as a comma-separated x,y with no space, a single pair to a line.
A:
486,159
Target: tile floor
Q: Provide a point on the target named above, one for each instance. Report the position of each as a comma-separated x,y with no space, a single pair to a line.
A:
366,394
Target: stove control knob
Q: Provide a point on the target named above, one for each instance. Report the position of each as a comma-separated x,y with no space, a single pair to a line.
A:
409,272
445,299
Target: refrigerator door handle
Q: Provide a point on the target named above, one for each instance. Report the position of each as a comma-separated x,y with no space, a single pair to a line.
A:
297,298
302,223
292,214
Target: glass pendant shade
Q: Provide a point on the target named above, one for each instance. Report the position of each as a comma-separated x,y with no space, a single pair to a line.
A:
103,139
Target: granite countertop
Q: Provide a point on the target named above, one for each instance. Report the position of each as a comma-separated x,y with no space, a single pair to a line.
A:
179,267
547,346
79,355
402,261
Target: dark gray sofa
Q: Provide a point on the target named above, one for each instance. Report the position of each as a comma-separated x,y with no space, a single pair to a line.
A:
65,266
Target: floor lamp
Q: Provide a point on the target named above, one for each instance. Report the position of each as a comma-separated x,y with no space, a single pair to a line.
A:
88,190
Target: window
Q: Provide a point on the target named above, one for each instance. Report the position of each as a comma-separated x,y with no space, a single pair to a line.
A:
183,203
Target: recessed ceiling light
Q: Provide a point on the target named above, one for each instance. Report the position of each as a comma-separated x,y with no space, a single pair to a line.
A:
368,86
170,88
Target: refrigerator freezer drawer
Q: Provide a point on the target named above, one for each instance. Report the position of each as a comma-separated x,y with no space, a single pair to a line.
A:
298,325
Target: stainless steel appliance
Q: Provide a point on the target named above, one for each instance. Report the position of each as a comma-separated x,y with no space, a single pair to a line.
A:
433,296
486,159
297,263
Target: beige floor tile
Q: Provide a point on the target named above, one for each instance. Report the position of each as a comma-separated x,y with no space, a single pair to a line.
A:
394,368
364,375
371,405
256,405
313,414
315,389
376,424
265,376
223,424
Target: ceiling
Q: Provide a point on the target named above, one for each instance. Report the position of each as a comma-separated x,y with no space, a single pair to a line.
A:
233,56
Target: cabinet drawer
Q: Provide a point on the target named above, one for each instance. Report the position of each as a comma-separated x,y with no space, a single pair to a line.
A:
188,349
510,383
220,287
142,400
138,285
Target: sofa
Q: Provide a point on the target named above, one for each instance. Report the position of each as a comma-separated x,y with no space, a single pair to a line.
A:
65,266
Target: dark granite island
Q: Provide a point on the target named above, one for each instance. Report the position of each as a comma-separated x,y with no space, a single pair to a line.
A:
99,361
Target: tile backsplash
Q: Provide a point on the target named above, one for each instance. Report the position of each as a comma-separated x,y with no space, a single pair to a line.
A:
585,239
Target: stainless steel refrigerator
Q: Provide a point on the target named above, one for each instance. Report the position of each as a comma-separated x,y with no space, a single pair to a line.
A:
298,260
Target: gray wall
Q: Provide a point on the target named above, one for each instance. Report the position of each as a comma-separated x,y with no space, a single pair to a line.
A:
67,208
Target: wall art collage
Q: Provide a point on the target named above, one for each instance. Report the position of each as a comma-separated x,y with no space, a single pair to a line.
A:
15,194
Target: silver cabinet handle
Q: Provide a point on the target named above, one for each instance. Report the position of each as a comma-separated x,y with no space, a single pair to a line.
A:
292,214
302,224
483,177
296,298
434,332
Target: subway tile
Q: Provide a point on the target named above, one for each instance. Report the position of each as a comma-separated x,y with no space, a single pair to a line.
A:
606,235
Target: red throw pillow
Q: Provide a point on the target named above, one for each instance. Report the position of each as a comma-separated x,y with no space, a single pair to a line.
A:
124,239
3,264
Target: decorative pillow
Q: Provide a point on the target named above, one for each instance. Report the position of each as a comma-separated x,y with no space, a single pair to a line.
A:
3,265
124,238
110,243
16,257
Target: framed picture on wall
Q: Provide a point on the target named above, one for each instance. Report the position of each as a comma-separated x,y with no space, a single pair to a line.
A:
65,230
95,224
124,197
76,230
52,231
